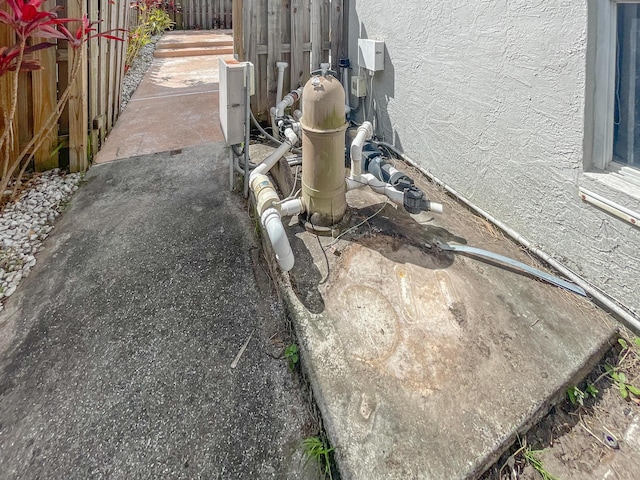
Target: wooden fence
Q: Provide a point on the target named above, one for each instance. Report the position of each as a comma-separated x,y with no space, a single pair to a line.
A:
206,14
94,101
303,33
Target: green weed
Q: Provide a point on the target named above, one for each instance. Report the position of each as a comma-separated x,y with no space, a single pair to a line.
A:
577,396
292,355
531,456
315,449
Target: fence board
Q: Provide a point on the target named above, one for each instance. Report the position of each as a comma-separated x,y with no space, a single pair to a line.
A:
336,32
78,113
44,87
303,33
94,65
316,34
274,42
238,28
325,25
94,101
206,14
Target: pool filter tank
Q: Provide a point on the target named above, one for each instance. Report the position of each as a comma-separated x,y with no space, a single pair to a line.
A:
323,132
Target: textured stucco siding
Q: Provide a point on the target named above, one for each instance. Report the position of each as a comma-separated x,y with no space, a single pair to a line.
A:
490,97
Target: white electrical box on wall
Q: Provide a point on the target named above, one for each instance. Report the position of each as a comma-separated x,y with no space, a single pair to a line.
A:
358,87
371,54
233,98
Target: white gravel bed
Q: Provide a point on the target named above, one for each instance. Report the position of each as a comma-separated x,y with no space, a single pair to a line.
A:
136,73
26,222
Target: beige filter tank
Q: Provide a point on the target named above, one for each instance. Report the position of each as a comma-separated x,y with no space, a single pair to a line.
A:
323,174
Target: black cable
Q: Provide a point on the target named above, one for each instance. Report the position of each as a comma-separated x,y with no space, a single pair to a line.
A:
323,252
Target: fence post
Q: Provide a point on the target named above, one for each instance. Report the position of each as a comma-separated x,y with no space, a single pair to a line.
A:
78,112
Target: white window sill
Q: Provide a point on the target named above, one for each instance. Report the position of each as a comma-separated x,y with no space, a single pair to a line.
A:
614,187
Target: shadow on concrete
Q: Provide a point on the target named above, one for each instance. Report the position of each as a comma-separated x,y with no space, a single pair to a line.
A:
388,233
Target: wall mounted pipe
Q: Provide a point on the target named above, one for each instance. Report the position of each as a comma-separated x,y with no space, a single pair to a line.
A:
598,295
365,132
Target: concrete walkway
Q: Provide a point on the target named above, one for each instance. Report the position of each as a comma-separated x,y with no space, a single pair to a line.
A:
116,352
175,106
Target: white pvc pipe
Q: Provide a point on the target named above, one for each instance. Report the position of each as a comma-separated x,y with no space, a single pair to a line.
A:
292,207
281,67
627,316
289,99
272,223
272,159
365,131
378,186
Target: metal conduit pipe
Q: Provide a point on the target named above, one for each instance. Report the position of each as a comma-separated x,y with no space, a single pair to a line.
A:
600,297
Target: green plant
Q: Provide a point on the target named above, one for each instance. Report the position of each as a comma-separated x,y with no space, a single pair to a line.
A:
621,382
577,396
292,355
138,38
315,449
29,20
531,456
159,21
625,345
152,20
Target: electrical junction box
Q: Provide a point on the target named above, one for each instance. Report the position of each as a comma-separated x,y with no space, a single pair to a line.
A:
233,98
358,87
371,54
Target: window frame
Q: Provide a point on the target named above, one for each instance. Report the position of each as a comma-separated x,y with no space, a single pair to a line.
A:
600,173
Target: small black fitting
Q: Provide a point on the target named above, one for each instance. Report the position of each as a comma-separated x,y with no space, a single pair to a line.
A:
344,63
412,201
403,183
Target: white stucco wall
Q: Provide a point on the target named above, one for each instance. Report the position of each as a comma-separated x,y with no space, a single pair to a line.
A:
490,96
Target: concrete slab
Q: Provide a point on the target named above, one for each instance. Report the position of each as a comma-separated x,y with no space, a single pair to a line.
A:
425,364
116,350
175,106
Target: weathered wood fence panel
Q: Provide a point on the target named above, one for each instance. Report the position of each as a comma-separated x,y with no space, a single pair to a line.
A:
95,94
203,14
303,33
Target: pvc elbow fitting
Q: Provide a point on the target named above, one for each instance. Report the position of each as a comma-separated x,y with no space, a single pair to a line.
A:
272,222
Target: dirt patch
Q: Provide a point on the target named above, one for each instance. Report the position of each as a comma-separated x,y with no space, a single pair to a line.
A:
597,436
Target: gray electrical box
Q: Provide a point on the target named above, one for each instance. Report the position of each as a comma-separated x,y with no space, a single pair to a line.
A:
233,98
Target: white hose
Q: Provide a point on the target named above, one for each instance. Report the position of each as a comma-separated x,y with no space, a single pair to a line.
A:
272,223
622,312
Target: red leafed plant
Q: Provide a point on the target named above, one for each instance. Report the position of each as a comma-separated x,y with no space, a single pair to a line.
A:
30,21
